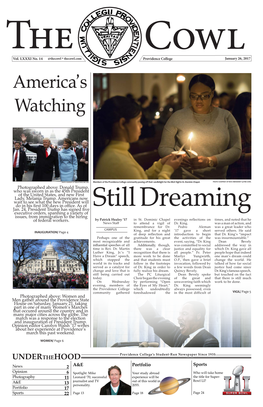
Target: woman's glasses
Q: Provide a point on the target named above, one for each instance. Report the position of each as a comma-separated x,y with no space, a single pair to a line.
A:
194,96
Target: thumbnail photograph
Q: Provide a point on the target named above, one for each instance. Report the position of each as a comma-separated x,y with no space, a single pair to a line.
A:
46,154
61,263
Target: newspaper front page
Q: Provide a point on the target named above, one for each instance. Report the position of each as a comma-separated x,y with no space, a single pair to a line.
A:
130,202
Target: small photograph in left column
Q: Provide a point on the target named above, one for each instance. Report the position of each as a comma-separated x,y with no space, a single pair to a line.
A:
50,154
57,263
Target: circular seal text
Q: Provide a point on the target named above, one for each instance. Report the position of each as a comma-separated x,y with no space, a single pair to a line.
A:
109,37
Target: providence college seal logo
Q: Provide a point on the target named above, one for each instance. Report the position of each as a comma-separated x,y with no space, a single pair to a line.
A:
109,37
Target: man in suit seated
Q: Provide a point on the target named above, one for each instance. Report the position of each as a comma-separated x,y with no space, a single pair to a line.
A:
19,162
47,159
115,387
189,333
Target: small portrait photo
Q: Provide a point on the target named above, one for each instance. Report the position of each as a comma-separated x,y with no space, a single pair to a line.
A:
115,386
